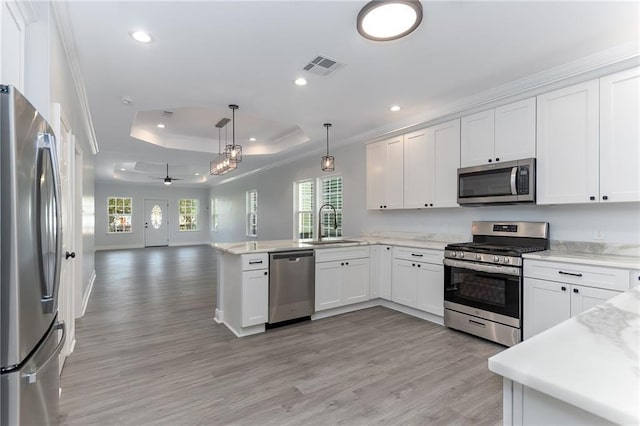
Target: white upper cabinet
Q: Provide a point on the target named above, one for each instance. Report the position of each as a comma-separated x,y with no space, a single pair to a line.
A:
506,133
418,169
620,136
515,127
567,145
476,146
385,174
445,163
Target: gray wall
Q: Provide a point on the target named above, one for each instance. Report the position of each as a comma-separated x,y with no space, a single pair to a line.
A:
149,191
619,222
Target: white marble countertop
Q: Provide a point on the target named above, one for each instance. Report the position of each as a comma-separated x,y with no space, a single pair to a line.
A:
610,260
248,247
591,361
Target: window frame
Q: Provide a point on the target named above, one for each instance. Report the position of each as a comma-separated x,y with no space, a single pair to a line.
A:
251,213
215,215
339,209
117,215
194,223
297,211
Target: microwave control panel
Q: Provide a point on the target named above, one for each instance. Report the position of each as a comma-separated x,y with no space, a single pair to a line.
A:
523,180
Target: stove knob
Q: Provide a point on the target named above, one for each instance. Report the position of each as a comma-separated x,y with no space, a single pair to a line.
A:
478,257
452,254
461,255
506,260
496,258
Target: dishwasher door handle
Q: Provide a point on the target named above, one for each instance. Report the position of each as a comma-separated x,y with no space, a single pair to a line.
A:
294,259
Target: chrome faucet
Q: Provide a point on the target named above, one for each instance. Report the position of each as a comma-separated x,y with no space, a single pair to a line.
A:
335,220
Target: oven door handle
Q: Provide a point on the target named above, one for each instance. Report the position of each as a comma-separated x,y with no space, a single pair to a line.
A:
481,267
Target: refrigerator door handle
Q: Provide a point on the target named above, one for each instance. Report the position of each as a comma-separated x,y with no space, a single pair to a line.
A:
33,377
50,238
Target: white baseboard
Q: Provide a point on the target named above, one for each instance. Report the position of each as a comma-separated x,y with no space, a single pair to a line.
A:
120,247
87,294
73,346
192,243
219,316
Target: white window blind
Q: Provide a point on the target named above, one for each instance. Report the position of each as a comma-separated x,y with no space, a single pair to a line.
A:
305,209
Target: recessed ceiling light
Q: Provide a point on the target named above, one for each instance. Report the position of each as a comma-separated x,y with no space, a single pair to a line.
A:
141,36
160,126
122,169
300,81
197,174
394,108
389,19
252,139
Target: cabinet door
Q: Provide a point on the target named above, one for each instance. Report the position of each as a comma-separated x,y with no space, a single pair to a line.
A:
620,136
418,170
546,303
384,272
374,271
567,146
404,284
583,298
375,175
476,146
515,131
355,281
430,295
394,174
446,147
328,289
255,297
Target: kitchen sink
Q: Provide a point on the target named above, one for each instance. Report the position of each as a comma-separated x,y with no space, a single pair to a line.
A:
328,242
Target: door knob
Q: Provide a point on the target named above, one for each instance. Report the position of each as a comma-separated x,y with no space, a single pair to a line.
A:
71,254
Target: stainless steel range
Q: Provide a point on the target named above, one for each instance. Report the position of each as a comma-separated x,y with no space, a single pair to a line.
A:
483,279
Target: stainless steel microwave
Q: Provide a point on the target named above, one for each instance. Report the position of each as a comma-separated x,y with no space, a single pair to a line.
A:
511,182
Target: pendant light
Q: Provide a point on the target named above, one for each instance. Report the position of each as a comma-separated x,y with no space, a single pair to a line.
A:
234,151
222,164
328,162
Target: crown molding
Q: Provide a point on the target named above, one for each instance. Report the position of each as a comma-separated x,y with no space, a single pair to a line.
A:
63,22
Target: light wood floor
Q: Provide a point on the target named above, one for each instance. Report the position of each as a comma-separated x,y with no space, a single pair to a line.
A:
149,352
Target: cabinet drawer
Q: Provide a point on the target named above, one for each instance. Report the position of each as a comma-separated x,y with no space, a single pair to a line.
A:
635,279
418,255
330,255
590,276
251,262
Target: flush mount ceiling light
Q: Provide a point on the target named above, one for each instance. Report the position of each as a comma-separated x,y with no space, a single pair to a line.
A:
383,20
328,163
141,36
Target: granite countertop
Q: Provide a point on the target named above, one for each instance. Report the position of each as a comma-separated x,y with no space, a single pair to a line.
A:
591,361
248,247
593,259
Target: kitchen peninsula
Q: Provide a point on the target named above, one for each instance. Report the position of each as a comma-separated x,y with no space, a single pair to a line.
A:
243,278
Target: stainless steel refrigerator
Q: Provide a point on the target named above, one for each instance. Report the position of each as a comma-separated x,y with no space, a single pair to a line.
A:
30,247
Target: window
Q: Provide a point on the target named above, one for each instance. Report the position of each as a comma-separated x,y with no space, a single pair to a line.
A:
252,213
331,194
304,209
214,214
119,214
188,215
305,201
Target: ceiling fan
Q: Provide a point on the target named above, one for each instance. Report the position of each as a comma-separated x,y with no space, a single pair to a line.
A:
167,179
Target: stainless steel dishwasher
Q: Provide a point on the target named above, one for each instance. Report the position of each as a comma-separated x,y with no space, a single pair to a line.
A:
291,285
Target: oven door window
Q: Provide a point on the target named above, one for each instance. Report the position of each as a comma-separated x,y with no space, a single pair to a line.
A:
499,293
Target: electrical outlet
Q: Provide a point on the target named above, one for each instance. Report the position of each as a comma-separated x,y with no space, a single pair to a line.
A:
598,234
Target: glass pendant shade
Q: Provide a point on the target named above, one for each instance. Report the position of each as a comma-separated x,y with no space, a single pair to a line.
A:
328,163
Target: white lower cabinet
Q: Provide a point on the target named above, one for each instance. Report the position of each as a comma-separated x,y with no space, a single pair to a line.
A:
555,291
416,283
341,282
380,272
255,296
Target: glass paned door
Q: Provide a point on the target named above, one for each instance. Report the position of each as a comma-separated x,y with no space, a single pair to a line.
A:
156,229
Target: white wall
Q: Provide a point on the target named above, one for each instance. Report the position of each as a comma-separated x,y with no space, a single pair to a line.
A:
619,222
139,193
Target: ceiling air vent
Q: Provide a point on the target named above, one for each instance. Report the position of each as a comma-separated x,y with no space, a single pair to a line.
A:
321,65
